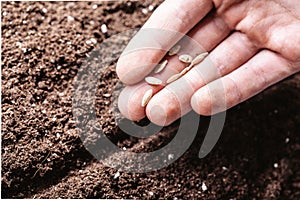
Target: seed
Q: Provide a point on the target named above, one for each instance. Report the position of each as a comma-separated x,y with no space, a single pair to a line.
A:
186,58
195,61
161,66
173,78
174,50
146,98
185,70
153,81
199,58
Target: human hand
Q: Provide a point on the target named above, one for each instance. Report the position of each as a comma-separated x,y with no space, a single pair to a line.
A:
253,44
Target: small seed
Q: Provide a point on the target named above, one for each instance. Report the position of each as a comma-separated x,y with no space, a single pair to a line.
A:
161,66
173,78
153,81
174,50
186,58
146,98
199,58
185,70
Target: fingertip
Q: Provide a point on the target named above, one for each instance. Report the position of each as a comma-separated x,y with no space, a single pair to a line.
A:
157,115
163,109
134,66
201,102
128,106
127,72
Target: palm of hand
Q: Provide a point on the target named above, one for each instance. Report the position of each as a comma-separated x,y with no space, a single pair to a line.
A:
254,44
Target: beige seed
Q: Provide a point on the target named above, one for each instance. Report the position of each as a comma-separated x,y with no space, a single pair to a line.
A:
161,66
146,98
153,81
174,50
173,78
186,58
199,58
185,70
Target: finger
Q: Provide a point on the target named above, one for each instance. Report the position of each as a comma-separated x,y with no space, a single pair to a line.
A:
263,70
174,100
166,26
131,96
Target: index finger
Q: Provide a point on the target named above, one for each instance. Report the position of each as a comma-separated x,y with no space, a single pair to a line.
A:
175,16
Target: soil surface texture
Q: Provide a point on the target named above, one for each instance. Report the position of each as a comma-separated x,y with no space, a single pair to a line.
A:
44,47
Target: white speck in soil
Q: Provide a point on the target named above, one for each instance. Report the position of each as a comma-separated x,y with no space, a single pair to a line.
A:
224,168
4,13
57,135
203,187
19,44
170,156
151,7
44,10
107,95
93,40
144,11
117,175
24,50
70,18
70,5
275,111
54,119
44,111
69,42
275,165
58,67
33,105
151,193
124,148
94,6
103,28
52,61
88,42
287,140
24,22
28,8
48,159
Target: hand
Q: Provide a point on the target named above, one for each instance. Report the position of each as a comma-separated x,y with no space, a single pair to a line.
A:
254,44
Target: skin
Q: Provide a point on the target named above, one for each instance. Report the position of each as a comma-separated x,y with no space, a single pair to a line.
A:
252,43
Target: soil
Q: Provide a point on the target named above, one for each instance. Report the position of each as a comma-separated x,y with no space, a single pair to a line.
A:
44,44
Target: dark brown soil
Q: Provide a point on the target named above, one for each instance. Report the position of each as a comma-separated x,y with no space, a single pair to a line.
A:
257,156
